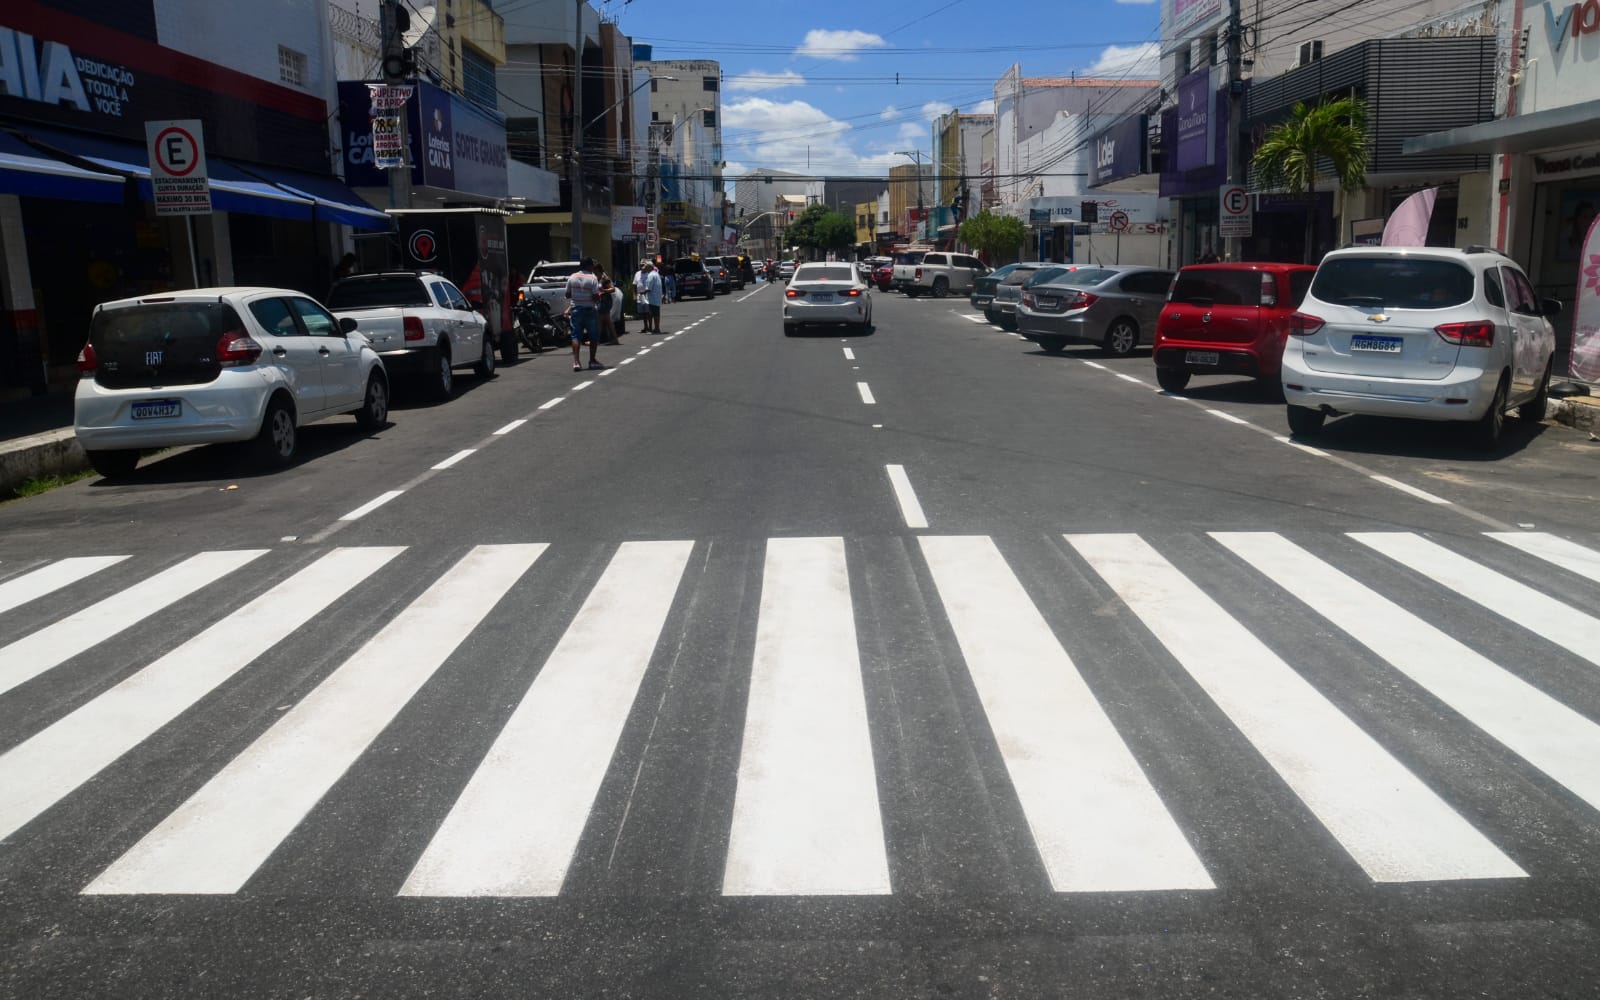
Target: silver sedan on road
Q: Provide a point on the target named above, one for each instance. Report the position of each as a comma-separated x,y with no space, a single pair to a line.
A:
1115,307
826,293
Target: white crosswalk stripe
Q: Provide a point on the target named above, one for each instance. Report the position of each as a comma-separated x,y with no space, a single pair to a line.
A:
810,800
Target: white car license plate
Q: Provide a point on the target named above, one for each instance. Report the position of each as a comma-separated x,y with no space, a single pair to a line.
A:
1379,345
1200,357
820,296
1047,303
152,409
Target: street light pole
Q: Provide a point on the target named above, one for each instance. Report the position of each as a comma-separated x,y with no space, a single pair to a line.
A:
574,168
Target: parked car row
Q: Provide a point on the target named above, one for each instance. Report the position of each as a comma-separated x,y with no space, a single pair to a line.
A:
1428,333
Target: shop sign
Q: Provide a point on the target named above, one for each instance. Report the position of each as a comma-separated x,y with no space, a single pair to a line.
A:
1585,362
1119,151
1196,145
51,74
1556,167
452,144
1575,21
177,152
388,103
628,221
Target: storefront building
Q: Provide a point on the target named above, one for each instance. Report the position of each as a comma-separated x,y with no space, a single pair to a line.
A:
1542,194
78,82
1198,162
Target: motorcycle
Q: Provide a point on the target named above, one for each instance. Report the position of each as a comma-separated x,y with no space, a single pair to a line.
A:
538,326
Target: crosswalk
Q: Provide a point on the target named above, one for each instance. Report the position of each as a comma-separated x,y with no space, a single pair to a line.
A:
1262,637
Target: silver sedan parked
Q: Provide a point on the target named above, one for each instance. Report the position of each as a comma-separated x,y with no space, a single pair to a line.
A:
1115,307
826,293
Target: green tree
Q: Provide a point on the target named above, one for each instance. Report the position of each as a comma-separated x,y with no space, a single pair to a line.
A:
821,228
994,235
1293,151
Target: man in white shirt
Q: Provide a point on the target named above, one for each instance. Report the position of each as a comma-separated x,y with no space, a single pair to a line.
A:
652,299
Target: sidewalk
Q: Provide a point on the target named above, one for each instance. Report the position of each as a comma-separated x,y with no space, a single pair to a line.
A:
36,440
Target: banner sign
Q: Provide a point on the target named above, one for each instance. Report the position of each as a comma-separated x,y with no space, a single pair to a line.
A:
628,221
1188,13
1196,147
1585,363
1119,152
388,104
178,167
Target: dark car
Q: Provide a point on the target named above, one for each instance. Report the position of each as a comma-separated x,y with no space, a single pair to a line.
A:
982,296
1228,319
692,278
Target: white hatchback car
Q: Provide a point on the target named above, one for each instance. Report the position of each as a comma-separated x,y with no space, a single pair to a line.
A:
826,293
1429,333
219,364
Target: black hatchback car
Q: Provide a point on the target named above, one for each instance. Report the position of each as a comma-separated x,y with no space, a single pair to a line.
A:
692,278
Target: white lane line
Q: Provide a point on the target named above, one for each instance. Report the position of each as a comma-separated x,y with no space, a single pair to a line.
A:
517,823
453,459
1570,556
216,840
866,393
1547,734
805,813
1224,415
608,371
877,426
36,583
551,402
1131,378
972,319
1098,824
910,509
1391,823
627,361
508,428
50,765
1303,447
1408,488
371,505
1517,602
582,386
748,294
1095,364
849,355
55,644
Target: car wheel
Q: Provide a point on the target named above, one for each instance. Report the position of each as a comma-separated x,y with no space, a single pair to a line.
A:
941,288
1121,338
1303,420
374,412
790,329
1055,345
1485,433
117,464
444,379
1172,379
485,366
1008,323
1533,410
278,439
992,316
912,293
508,348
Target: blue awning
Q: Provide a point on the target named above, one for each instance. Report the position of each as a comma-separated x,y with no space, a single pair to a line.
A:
334,201
26,171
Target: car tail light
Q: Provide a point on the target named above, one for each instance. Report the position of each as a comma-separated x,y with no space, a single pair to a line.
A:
1027,299
1304,324
520,295
1082,300
1269,290
413,327
236,348
1476,333
87,362
919,274
793,293
854,293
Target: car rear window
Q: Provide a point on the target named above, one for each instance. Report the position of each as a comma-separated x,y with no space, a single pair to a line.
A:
550,272
378,291
1045,274
910,258
1020,274
1393,283
1218,288
1083,277
683,265
826,272
161,343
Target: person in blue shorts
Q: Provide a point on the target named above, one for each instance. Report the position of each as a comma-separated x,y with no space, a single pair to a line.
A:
583,314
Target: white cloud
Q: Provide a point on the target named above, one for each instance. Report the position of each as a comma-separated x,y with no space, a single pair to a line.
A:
841,46
933,109
1133,62
783,135
761,80
912,132
889,113
984,107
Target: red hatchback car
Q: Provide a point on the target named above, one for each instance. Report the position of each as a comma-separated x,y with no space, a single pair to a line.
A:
883,275
1228,319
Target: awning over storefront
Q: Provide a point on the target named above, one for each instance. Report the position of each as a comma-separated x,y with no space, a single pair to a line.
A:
28,172
335,202
1550,129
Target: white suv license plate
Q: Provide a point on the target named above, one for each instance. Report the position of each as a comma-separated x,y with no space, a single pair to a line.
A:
155,409
1378,345
1200,357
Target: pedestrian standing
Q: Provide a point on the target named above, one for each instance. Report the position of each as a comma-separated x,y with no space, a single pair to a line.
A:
640,302
583,293
603,303
669,286
652,298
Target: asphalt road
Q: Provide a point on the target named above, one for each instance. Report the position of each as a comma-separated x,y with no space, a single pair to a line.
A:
918,663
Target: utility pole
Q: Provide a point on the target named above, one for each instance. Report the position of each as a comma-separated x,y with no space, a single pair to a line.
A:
574,164
1235,111
397,67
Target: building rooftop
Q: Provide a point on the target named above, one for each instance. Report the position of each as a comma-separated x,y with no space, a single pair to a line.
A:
1085,81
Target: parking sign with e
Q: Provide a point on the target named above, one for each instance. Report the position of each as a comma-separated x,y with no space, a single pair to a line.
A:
177,152
1236,217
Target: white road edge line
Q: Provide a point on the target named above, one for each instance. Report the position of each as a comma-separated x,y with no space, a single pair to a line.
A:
1131,378
849,355
866,393
627,361
508,428
910,508
1408,488
453,459
608,371
549,403
1095,364
1228,417
371,505
582,386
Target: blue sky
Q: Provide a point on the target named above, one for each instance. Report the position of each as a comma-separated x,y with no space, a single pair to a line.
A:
817,80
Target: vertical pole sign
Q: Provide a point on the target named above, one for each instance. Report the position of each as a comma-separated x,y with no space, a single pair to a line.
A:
388,105
1237,218
178,179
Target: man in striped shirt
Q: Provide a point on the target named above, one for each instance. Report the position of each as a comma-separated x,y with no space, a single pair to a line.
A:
583,316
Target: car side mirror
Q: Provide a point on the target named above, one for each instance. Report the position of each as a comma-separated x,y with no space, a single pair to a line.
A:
347,324
1550,307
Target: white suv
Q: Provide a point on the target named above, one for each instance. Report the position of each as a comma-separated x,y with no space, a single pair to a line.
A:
219,364
1424,332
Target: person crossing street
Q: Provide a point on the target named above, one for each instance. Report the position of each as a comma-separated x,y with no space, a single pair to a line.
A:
583,294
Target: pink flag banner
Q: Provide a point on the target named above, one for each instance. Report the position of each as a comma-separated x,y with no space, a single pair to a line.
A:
1408,226
1586,309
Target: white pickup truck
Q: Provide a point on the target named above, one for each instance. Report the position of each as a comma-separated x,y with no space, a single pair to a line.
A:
548,281
939,273
418,322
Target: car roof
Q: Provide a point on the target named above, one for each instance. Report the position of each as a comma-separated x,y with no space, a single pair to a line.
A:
1249,265
203,295
1461,255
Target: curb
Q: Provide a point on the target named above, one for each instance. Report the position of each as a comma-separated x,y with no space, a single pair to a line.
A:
52,453
1578,412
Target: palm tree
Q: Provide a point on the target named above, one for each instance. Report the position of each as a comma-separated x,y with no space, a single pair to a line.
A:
1335,131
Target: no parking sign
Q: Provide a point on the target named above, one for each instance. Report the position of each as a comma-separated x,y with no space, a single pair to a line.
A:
178,167
1236,217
